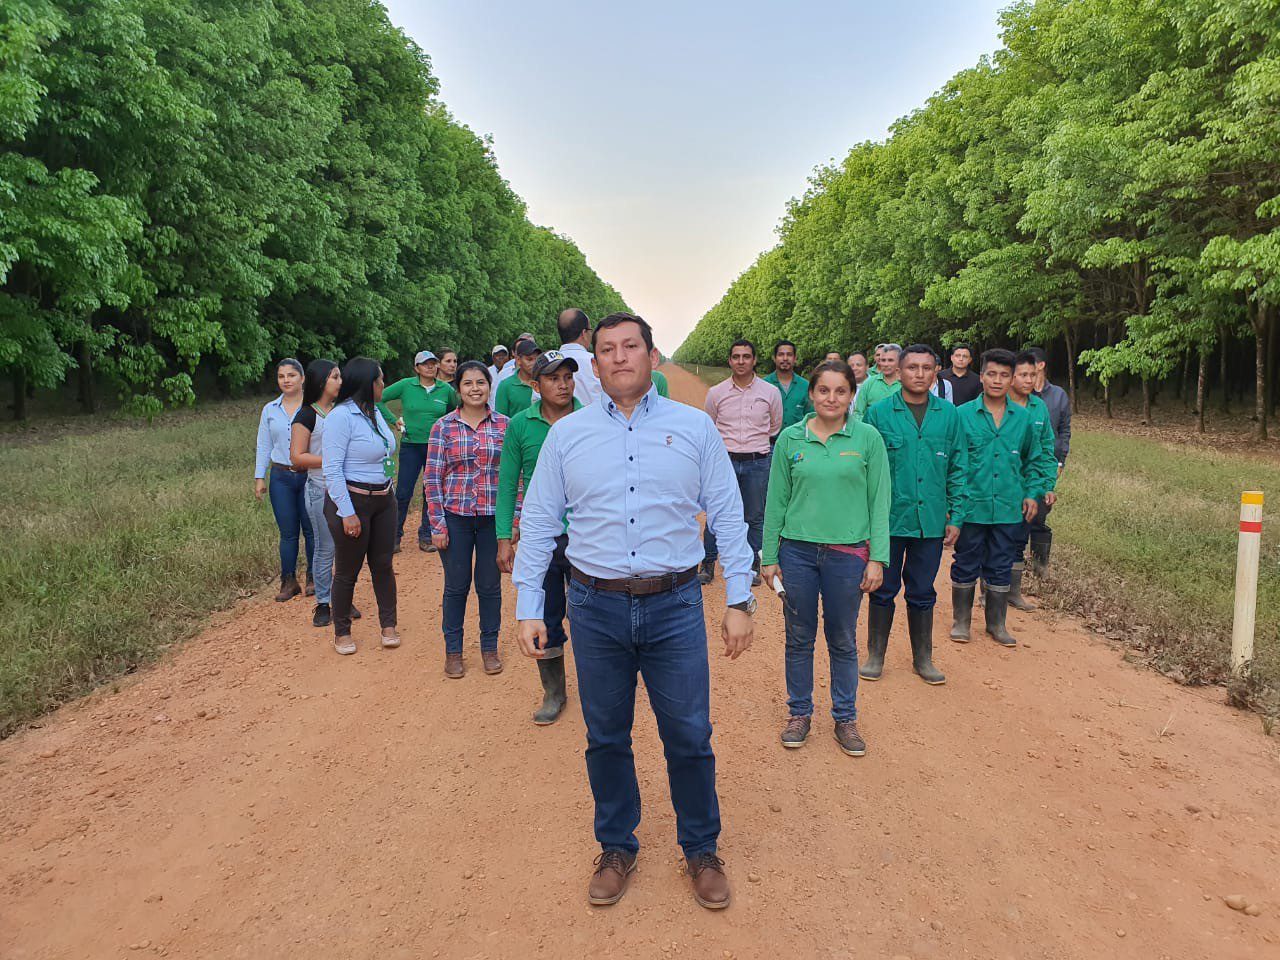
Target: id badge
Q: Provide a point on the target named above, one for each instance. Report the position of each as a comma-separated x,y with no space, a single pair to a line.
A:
388,467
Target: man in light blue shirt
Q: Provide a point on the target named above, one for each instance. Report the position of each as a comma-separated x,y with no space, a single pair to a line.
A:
632,472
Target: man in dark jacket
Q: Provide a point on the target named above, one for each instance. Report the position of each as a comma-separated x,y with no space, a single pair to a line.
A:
1059,404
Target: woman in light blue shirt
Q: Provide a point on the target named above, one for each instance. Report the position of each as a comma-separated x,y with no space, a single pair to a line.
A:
288,485
358,454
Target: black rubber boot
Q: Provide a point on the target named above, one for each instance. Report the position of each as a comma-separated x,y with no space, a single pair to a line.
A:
920,623
962,610
879,622
554,696
1016,599
997,612
1041,544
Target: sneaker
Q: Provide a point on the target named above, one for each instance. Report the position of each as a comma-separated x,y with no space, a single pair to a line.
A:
796,732
707,572
851,742
322,616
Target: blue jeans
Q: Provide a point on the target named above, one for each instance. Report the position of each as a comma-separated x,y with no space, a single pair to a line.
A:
413,457
554,585
753,485
662,637
987,550
809,571
915,560
288,494
321,566
471,537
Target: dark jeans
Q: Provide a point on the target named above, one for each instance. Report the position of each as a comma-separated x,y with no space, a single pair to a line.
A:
810,571
554,585
471,537
377,542
914,560
753,484
288,494
413,457
662,637
987,550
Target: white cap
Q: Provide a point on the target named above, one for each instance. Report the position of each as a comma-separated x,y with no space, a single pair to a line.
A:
423,356
497,347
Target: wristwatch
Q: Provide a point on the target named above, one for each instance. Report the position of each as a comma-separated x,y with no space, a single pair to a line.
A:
747,606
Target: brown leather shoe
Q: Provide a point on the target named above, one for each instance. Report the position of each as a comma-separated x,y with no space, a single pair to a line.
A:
492,662
453,666
609,882
311,585
288,589
710,885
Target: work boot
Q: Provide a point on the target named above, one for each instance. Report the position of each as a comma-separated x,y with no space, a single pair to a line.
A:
1041,544
707,572
311,585
920,624
288,588
879,622
453,666
426,546
492,662
796,732
710,885
997,611
1016,599
322,616
553,693
961,610
756,579
609,882
397,546
850,740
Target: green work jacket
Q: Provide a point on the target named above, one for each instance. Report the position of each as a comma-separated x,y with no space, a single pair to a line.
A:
795,399
873,390
420,408
1006,465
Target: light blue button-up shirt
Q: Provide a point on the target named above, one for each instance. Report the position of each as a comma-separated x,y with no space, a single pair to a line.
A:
632,490
353,451
275,429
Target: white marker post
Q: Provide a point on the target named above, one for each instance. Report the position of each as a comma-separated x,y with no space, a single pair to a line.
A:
1246,580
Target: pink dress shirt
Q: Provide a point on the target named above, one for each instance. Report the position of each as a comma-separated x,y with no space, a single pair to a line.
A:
746,417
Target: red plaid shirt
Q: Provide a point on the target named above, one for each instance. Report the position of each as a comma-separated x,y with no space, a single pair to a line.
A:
461,475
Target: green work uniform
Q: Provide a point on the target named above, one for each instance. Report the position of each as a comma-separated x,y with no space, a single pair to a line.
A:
514,396
420,408
929,463
526,433
795,399
836,492
1006,465
660,381
1043,424
873,390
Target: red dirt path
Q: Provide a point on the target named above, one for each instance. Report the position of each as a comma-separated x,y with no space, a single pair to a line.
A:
257,796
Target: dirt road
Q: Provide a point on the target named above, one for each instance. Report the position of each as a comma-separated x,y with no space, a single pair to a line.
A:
258,796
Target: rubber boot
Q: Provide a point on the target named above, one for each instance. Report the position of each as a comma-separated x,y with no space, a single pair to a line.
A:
1041,544
553,692
920,623
997,612
879,622
1016,599
962,610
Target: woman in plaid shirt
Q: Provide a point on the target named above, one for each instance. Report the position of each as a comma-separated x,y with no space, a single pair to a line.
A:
461,486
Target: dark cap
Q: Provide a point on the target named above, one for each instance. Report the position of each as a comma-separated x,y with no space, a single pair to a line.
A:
526,348
551,361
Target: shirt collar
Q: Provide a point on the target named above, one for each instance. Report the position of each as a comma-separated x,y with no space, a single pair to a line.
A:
842,432
535,409
733,385
647,402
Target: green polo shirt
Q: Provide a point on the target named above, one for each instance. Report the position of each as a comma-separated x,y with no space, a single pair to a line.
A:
1006,465
874,389
1043,423
928,463
526,433
420,408
660,381
514,396
833,492
795,399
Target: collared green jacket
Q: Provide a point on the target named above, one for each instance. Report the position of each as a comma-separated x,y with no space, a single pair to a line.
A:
1006,464
872,391
526,433
795,400
1043,422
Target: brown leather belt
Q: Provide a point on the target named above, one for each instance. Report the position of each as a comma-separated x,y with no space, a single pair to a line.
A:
276,465
637,586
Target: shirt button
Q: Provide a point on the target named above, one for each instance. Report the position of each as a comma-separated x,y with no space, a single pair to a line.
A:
633,553
633,489
630,458
633,519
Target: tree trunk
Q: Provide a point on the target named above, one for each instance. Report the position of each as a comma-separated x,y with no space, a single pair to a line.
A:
1222,375
1146,402
1106,396
88,397
1261,327
1071,371
1203,375
1186,381
19,393
1180,379
1271,368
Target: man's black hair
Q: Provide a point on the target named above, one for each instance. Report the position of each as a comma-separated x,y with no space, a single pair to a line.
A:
918,348
616,319
783,343
1038,353
1000,357
740,342
1025,356
962,346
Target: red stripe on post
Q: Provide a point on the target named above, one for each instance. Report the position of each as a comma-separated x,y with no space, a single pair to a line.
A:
1250,526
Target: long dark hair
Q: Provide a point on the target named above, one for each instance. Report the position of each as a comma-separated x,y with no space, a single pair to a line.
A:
316,377
358,377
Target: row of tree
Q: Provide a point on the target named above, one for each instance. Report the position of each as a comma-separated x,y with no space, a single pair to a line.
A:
201,186
1109,180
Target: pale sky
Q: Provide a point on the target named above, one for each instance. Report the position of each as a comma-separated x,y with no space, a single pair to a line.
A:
666,137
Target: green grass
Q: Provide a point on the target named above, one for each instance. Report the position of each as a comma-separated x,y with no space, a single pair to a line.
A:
708,375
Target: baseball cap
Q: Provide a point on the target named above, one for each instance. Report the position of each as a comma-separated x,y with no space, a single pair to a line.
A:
498,348
551,361
526,347
524,336
423,356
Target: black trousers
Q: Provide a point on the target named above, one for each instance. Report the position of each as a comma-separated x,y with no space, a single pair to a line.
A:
377,542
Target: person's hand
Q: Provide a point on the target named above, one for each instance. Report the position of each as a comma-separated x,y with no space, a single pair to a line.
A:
532,637
1029,509
351,526
259,488
506,556
400,424
1050,499
952,535
737,630
872,576
768,572
440,540
515,533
